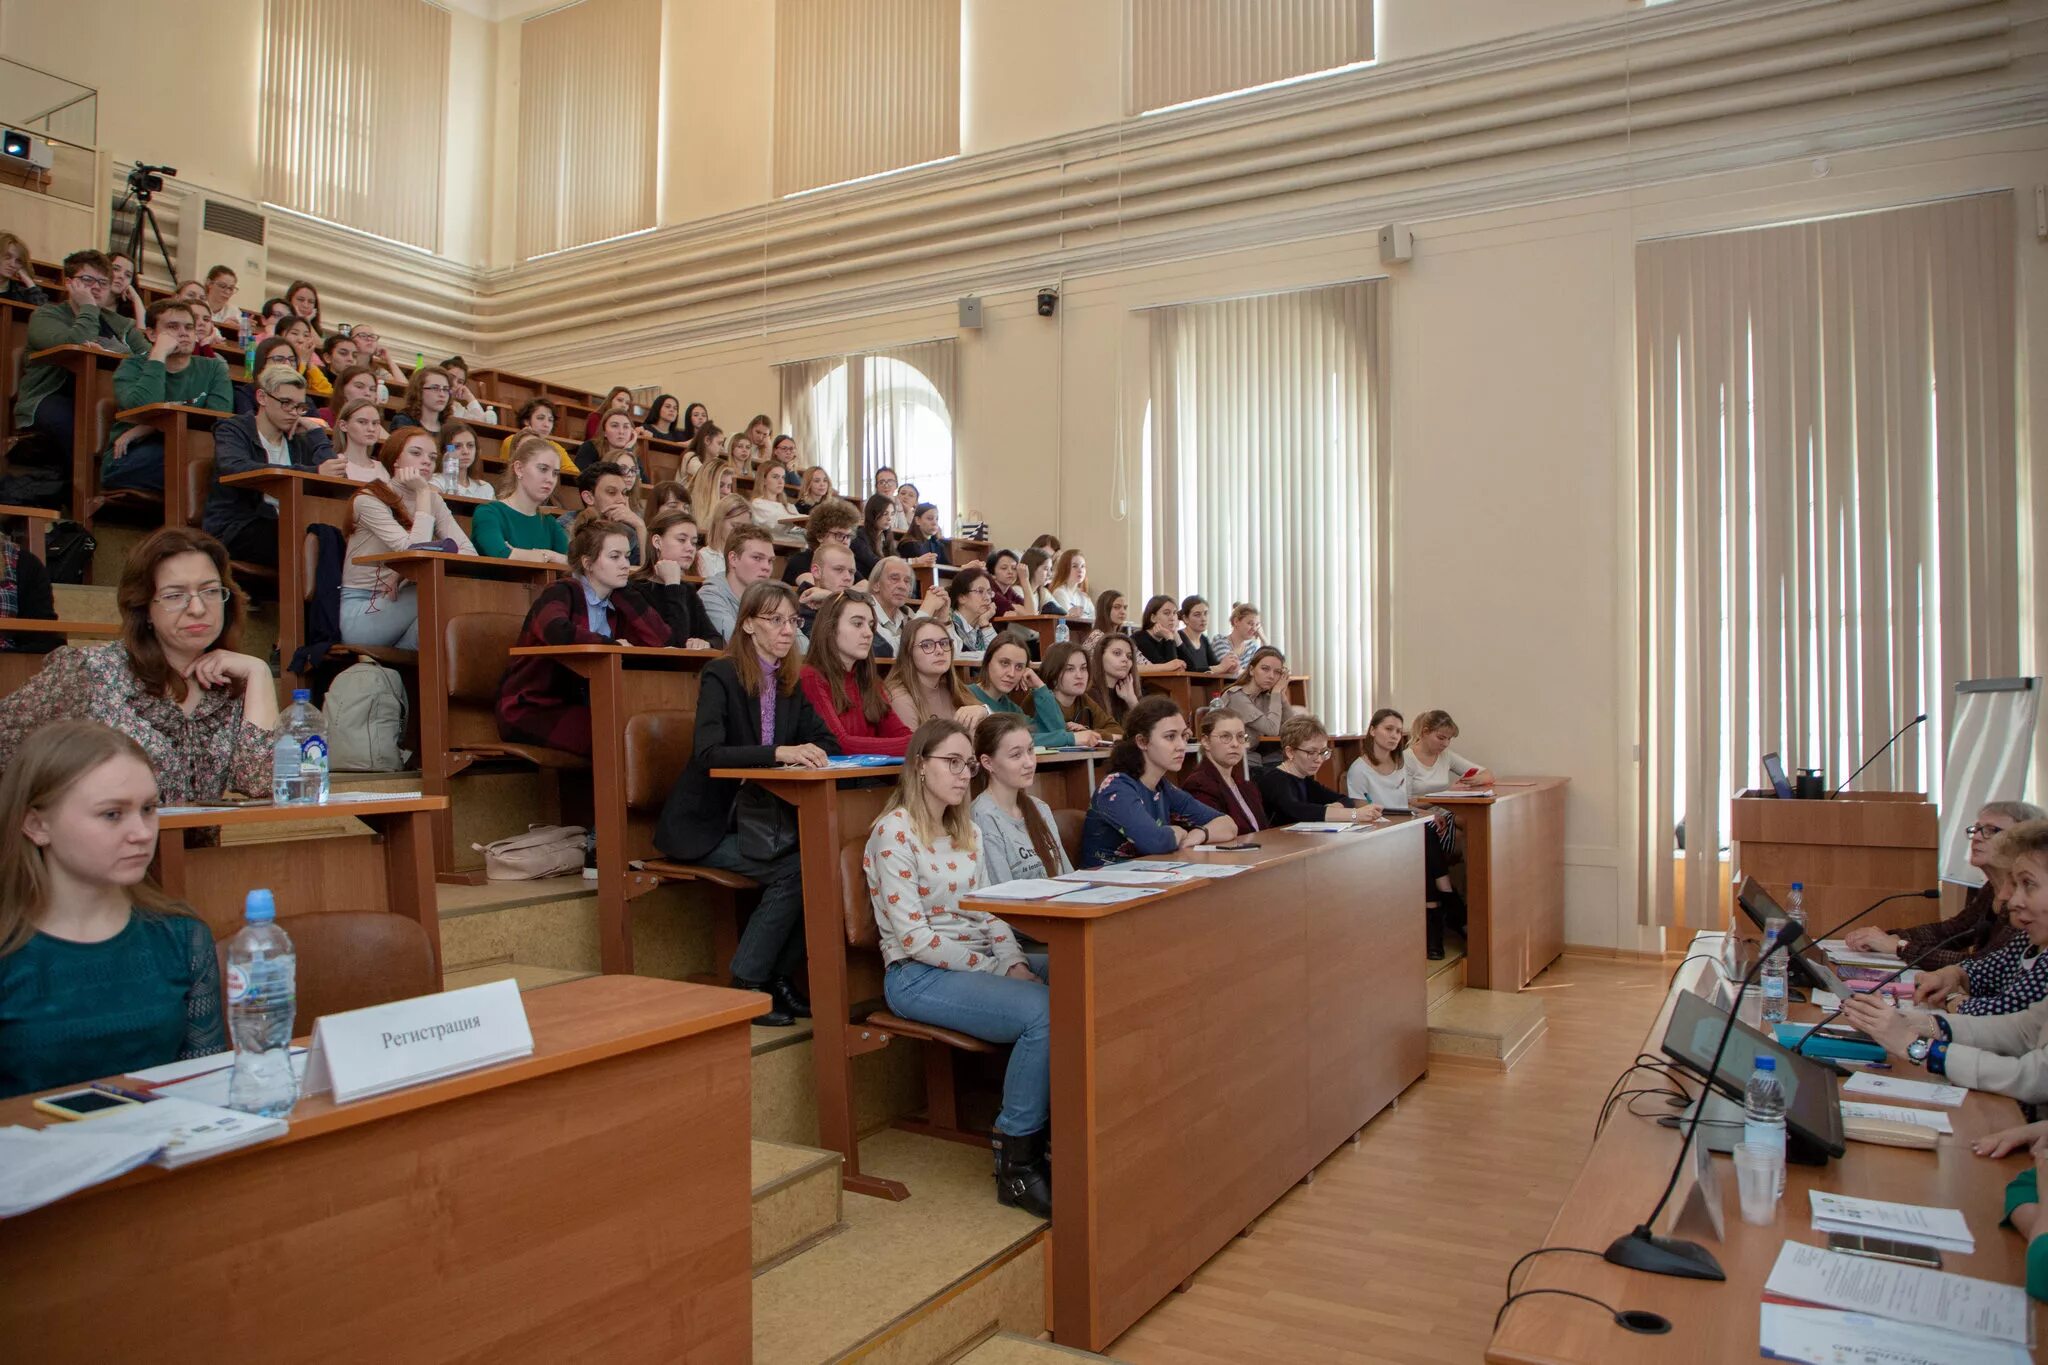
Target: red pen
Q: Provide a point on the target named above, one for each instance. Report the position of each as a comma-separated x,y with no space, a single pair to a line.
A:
1471,772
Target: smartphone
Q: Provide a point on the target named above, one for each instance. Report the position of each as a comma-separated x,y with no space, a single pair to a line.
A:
1236,848
1885,1249
83,1104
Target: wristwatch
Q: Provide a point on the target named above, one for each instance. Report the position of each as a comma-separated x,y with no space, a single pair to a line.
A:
1916,1051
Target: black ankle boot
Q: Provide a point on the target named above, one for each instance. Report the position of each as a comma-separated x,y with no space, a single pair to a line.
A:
776,1017
1453,904
1434,931
1020,1184
788,999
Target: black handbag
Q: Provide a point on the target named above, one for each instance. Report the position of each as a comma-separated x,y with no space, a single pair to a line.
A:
767,824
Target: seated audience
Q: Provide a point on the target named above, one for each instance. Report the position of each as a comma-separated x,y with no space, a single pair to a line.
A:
1113,663
169,373
17,280
760,434
782,457
618,442
101,974
752,714
923,683
537,417
1218,778
462,402
1069,590
772,503
1008,686
122,294
458,438
43,400
1067,675
704,447
1290,788
222,284
892,583
1034,579
541,702
974,611
695,415
907,502
924,539
843,683
426,400
2009,978
1432,766
1247,635
749,559
962,969
305,302
1113,611
204,714
606,495
831,523
1047,542
729,516
1380,775
2023,1195
665,418
1136,811
831,574
886,486
874,541
661,584
1204,655
514,527
278,433
273,313
1980,927
25,595
669,496
1003,573
379,607
298,334
1019,839
1159,640
815,489
620,399
1260,699
713,484
332,356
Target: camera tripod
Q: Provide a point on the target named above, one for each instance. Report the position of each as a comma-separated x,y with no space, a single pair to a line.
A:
142,187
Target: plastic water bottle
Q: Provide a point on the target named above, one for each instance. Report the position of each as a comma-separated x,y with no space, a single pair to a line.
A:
451,472
1763,1112
1772,973
263,995
1795,905
298,760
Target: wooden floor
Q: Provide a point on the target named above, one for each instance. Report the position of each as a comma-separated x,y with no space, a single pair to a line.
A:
1398,1250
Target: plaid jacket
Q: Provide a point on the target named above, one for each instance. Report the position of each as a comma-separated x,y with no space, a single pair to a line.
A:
541,702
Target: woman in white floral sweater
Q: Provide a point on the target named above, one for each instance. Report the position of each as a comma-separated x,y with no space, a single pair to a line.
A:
961,969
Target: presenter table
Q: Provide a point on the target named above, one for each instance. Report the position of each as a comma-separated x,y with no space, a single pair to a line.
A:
588,1202
1514,878
1718,1321
1211,1044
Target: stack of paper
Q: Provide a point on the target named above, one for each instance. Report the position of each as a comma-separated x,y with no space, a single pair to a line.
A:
39,1166
1023,889
1105,895
1972,1315
1126,874
1323,827
1827,1336
1840,953
1898,1113
1213,870
1896,1088
1940,1228
180,1131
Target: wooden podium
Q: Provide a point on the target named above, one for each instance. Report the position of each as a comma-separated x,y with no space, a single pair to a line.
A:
1849,851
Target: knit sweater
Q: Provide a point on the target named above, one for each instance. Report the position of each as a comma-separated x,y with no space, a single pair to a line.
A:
916,889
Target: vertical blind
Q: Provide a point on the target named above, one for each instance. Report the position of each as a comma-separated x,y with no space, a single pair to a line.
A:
589,119
355,100
1266,477
1828,521
1191,49
892,406
863,87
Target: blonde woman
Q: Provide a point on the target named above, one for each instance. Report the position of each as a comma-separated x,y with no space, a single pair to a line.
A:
728,517
358,434
817,489
514,527
922,683
713,484
1069,591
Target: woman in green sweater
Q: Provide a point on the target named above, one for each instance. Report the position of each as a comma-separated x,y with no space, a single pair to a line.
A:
2023,1196
100,973
1008,685
514,527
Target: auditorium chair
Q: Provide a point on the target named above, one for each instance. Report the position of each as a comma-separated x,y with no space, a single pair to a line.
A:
199,483
1068,824
352,959
658,748
478,647
150,505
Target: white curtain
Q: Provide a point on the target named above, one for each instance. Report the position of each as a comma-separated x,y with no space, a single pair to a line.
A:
863,87
1266,477
1191,49
355,100
894,406
1828,522
814,413
589,117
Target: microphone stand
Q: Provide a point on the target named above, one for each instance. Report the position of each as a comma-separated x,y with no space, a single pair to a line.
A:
1882,982
1881,751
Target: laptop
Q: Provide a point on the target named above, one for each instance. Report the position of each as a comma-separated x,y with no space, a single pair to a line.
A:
1774,769
1807,958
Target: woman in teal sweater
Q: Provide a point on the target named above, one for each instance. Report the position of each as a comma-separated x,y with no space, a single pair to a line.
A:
100,973
2023,1196
515,527
1008,685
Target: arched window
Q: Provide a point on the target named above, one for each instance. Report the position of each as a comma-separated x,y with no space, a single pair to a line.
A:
857,414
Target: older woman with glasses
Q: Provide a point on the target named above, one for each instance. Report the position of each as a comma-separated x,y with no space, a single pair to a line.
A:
1977,929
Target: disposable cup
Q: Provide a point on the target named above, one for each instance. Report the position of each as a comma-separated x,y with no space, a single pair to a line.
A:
1756,1177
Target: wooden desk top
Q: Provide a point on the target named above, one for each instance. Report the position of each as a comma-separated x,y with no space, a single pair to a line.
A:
149,410
574,1024
648,653
208,817
1718,1321
453,563
329,485
873,770
79,349
8,509
1504,789
103,629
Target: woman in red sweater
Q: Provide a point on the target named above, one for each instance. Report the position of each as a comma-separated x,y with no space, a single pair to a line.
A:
843,684
1218,779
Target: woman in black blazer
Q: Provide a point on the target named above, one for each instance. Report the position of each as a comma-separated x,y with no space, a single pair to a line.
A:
699,823
1159,639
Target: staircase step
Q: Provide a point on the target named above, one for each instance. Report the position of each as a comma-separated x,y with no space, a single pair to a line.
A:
1007,1348
86,602
529,977
1447,975
796,1200
915,1283
1490,1029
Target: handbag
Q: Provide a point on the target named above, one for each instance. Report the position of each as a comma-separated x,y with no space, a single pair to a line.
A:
767,824
543,851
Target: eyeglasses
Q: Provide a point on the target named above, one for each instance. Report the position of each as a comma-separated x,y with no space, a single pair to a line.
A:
839,537
1984,831
959,766
1317,754
96,281
177,599
433,388
778,621
936,645
292,405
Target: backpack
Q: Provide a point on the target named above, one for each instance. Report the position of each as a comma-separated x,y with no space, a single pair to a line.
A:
365,709
28,484
68,550
543,851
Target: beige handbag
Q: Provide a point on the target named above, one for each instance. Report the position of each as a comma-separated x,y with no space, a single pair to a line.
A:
543,851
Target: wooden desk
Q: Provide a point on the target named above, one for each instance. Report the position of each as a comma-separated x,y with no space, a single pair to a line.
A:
835,807
624,681
303,499
592,1199
187,434
35,523
308,875
448,585
1717,1321
92,373
1046,628
1211,1045
1514,879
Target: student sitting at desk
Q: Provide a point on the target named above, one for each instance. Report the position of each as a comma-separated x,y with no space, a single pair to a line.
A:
1260,700
923,683
2023,1195
100,973
277,434
1112,611
204,714
541,702
749,559
1068,677
1113,662
892,582
458,438
1068,593
1136,810
831,522
1218,779
1432,765
607,495
618,443
1290,788
752,714
88,316
974,611
427,396
659,583
1005,573
1205,655
357,382
537,417
1158,638
1980,927
923,543
1380,775
1019,839
514,527
169,373
1008,686
961,969
378,607
843,683
358,434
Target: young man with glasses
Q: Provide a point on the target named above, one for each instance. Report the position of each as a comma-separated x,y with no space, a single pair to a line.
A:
85,317
831,522
278,433
169,373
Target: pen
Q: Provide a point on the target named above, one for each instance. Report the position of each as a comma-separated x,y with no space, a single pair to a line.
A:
137,1095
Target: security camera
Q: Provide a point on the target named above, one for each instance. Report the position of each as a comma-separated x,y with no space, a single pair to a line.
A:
1048,299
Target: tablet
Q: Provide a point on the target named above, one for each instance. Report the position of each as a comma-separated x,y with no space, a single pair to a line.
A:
1813,1106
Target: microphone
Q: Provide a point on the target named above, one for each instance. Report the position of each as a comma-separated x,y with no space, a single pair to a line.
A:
1882,749
1882,982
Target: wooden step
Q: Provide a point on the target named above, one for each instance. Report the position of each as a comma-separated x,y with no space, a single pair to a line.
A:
796,1200
1490,1029
1007,1348
529,977
1448,975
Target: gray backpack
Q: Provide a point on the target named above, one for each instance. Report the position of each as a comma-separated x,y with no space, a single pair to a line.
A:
365,710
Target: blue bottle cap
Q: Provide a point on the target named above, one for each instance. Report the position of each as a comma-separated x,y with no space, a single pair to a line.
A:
1799,886
260,907
302,694
1763,1062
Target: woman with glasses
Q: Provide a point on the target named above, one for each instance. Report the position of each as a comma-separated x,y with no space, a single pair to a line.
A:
1977,929
173,682
922,682
426,400
843,683
962,969
1290,789
974,611
752,714
1218,778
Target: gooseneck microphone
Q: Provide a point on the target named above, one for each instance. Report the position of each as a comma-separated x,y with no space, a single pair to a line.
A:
1929,951
1881,751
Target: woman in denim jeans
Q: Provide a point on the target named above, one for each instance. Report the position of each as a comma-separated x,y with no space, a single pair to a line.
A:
961,969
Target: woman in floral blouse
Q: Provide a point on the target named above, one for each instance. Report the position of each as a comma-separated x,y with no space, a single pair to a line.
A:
204,714
961,969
